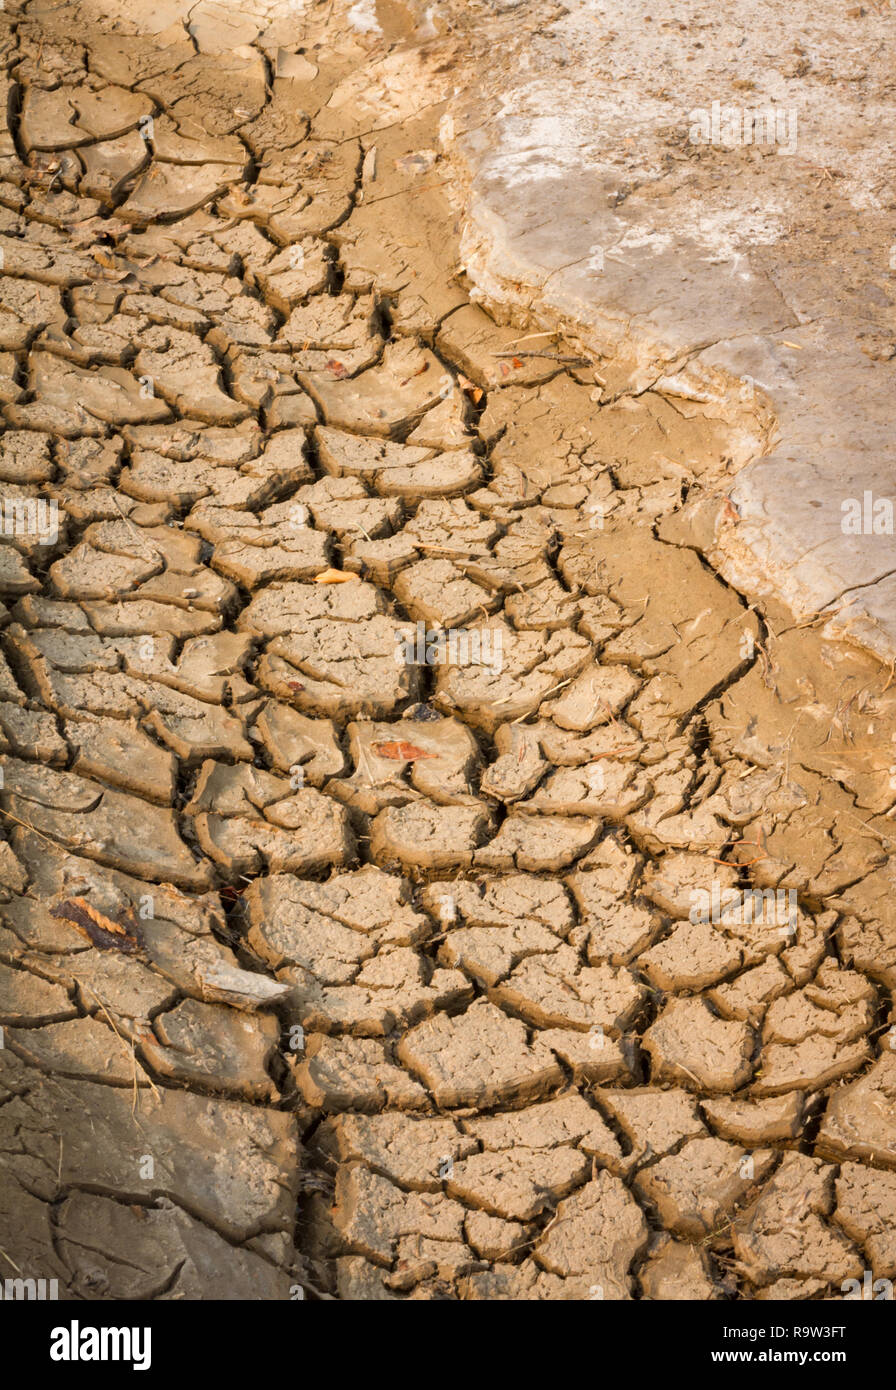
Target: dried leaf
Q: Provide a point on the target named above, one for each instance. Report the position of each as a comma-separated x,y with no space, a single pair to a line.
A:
337,369
105,258
101,931
333,577
472,390
401,752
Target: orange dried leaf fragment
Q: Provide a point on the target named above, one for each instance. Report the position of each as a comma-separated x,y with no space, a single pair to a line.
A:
333,577
101,931
404,752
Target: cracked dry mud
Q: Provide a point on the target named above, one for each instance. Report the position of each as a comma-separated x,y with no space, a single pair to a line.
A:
326,974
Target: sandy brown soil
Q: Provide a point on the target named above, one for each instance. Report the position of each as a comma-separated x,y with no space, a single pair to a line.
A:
328,973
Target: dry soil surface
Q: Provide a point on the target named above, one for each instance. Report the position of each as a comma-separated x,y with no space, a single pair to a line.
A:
551,961
703,196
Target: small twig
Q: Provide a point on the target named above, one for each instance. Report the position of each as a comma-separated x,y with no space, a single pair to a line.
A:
405,193
128,1042
544,697
141,540
11,1260
26,826
552,356
747,863
529,336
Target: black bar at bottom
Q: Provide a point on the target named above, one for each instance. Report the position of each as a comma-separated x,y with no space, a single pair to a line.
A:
167,1339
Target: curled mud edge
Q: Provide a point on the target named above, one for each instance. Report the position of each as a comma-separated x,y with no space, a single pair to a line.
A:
376,978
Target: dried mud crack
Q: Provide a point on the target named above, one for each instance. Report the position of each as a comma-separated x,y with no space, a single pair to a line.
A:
421,876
